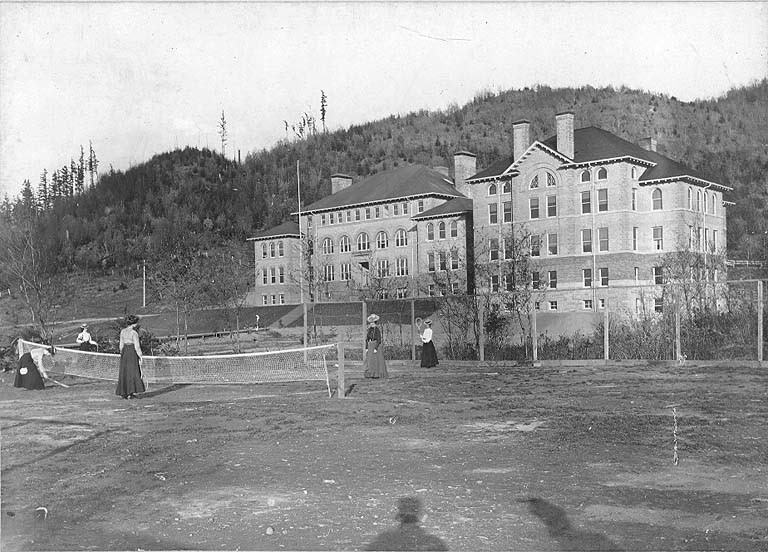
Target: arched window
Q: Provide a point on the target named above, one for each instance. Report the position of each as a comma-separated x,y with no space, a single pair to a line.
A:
507,187
362,242
706,200
327,246
633,172
602,173
712,208
401,238
454,229
534,182
344,244
586,176
551,182
698,200
492,190
657,201
441,231
264,253
430,232
382,240
690,198
280,249
271,249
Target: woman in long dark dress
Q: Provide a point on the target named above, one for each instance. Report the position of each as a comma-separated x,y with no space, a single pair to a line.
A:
428,351
30,372
375,365
129,379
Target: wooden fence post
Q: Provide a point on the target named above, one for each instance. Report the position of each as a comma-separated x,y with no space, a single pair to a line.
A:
534,337
760,321
340,384
606,343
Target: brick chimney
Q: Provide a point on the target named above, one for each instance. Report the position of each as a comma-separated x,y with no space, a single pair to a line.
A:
340,182
564,123
648,144
521,138
464,166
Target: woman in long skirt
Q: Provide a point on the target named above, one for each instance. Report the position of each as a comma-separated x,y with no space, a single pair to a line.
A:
30,372
129,379
375,365
428,351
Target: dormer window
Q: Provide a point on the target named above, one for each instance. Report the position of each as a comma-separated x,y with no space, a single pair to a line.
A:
586,176
602,173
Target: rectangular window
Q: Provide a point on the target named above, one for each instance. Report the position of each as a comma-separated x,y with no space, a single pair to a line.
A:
603,276
535,281
602,199
534,207
602,237
713,245
346,272
493,247
367,213
331,218
274,299
634,199
328,273
431,290
322,219
509,252
601,303
357,214
396,210
553,305
281,275
587,277
634,238
264,277
495,283
537,305
658,304
264,300
509,282
454,260
699,239
405,208
637,274
273,275
586,202
587,304
507,211
658,275
377,212
282,299
535,245
443,258
493,215
455,288
552,279
402,266
552,244
586,240
431,262
383,268
420,206
402,293
349,216
551,206
658,237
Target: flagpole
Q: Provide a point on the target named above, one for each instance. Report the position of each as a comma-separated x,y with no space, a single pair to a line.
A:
301,236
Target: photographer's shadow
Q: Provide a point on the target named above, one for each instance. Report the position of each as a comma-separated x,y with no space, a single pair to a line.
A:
408,535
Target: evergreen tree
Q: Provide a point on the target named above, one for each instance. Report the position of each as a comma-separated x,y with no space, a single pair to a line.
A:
42,191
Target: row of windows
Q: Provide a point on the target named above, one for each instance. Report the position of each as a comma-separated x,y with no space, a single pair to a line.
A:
382,267
272,249
547,178
442,260
363,242
366,213
278,299
273,275
441,230
709,202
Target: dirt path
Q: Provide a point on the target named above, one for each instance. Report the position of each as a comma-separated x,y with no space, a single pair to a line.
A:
501,459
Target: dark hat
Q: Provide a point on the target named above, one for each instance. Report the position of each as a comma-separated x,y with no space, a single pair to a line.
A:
131,319
408,509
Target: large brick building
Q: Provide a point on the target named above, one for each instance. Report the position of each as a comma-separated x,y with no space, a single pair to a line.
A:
598,214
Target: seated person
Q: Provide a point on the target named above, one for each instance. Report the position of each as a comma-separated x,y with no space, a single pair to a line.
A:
84,339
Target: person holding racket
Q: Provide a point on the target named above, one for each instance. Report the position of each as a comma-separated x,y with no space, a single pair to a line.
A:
428,351
129,380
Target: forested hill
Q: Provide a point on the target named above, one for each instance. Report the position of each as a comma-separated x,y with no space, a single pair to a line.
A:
127,215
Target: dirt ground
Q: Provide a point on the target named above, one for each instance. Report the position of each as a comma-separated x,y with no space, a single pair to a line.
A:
501,458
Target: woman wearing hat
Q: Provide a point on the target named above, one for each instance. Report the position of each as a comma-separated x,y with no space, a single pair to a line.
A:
129,380
84,339
428,352
375,365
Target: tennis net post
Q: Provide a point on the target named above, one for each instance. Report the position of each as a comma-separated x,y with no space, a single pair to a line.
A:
340,384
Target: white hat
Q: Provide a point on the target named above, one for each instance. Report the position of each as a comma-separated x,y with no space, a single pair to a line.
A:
373,318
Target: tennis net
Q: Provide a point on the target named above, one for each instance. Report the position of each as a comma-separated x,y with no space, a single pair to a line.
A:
302,364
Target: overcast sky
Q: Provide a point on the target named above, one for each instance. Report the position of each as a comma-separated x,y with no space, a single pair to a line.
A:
138,79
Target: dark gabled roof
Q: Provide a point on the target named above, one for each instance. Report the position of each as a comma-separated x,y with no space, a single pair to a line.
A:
595,144
455,206
495,169
289,229
402,182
